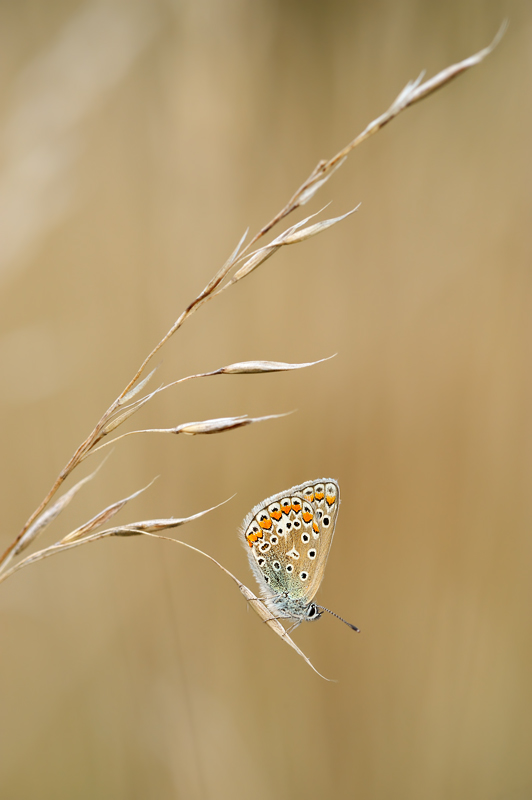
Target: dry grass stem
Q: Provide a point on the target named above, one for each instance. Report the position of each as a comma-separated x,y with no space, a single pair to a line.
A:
252,367
102,517
293,235
255,602
240,368
412,93
241,263
52,513
204,427
144,527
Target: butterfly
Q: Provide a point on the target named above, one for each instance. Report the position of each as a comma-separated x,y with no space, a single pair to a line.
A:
288,537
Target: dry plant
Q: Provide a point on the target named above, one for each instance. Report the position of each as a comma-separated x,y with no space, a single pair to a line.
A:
240,264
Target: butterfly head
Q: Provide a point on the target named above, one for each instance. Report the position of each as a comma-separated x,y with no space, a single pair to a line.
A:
313,612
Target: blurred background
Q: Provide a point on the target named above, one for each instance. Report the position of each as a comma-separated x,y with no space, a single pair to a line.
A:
138,140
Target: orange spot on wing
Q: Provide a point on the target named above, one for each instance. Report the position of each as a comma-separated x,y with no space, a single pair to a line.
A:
319,495
315,527
265,524
330,500
307,516
253,537
296,505
276,514
286,507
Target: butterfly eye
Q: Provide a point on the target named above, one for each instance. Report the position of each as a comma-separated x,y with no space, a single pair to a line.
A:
303,575
305,537
289,568
311,554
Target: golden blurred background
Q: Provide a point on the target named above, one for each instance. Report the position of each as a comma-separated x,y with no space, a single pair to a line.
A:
138,140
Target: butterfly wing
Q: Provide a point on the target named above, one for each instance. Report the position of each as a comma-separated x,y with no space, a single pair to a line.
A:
288,537
324,509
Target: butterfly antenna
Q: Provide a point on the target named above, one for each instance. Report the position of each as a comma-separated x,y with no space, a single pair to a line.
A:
353,627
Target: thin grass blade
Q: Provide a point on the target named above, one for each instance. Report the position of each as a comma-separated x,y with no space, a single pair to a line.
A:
102,517
252,367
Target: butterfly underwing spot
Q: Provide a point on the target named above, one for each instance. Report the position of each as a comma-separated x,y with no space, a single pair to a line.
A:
315,530
304,538
289,567
296,505
297,523
264,521
307,513
261,561
312,554
308,493
330,494
319,492
286,505
276,565
273,539
281,531
264,547
253,533
319,514
326,521
275,511
303,575
293,553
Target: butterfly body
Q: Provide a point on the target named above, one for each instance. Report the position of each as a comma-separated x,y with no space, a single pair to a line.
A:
288,537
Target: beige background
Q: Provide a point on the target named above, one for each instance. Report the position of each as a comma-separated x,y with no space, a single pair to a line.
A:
138,140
